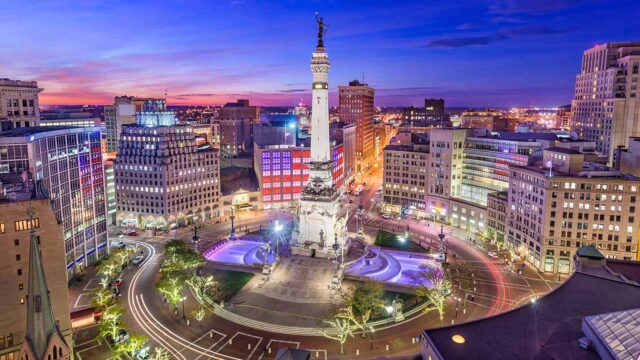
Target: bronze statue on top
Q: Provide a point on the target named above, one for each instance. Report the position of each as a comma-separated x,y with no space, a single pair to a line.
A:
322,28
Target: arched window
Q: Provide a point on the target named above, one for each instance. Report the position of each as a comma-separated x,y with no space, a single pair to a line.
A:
55,352
60,352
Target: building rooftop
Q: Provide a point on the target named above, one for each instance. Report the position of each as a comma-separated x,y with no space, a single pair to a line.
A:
27,131
590,170
563,150
234,178
548,328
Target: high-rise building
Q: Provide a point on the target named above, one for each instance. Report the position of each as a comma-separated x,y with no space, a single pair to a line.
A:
356,107
479,119
555,209
606,104
405,167
280,159
120,113
345,134
123,112
236,125
66,162
162,178
434,107
26,257
19,106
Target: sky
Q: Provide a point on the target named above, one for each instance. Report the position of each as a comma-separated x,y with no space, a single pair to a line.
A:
471,53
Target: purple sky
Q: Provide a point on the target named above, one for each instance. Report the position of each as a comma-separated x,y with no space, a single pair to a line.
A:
472,53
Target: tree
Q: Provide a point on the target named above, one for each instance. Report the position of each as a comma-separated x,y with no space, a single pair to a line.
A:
131,347
342,327
171,286
111,320
160,354
107,269
102,297
362,301
433,285
462,277
203,287
199,313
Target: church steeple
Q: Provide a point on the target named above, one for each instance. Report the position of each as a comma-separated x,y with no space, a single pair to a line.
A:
43,339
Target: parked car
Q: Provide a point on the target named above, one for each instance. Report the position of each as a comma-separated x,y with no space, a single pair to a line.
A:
132,233
116,282
386,216
138,260
492,255
118,244
123,335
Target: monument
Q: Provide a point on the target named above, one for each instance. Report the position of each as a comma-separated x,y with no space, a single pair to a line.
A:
322,222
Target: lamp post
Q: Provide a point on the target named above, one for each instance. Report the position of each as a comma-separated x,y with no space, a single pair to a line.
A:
371,338
277,229
182,301
457,301
232,233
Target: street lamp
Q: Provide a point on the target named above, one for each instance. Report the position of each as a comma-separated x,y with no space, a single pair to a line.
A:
371,337
182,301
277,229
457,301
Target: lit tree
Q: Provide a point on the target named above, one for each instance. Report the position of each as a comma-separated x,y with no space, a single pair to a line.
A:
131,347
160,354
102,297
342,327
199,313
171,286
111,321
107,269
203,287
361,301
462,276
434,286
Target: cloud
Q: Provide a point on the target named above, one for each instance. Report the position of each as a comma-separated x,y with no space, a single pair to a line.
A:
500,35
196,95
293,90
460,42
537,7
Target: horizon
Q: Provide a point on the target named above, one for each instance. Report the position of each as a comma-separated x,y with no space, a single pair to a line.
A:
473,54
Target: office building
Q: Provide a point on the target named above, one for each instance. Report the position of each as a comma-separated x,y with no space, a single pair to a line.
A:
281,163
497,216
69,118
345,134
123,112
19,106
434,107
120,113
568,203
405,166
606,105
163,179
356,107
479,119
110,189
22,277
67,163
236,124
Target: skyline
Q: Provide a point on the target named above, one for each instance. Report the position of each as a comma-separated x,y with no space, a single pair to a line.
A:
259,51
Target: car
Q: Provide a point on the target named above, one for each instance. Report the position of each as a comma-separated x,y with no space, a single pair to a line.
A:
357,193
350,201
386,216
123,335
116,282
492,255
118,245
138,260
132,233
440,257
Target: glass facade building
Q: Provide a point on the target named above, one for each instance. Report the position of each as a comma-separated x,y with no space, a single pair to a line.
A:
66,163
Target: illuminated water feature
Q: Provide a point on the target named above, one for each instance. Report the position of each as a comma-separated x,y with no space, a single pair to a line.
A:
242,251
391,266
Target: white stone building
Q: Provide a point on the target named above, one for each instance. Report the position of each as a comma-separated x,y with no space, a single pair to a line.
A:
606,104
163,179
19,106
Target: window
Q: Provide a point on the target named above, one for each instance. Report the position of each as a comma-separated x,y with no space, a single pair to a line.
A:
2,228
26,224
16,242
